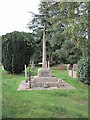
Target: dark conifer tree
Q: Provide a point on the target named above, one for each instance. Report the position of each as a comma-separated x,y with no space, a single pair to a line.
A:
17,49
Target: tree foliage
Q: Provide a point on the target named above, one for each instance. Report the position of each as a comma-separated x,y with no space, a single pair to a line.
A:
17,49
84,70
66,30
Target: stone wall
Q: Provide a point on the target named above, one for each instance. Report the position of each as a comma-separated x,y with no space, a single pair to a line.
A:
61,67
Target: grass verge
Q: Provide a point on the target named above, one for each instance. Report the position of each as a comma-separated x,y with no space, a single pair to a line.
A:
43,103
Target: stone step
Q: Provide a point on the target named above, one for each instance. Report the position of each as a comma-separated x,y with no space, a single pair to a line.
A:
45,84
45,79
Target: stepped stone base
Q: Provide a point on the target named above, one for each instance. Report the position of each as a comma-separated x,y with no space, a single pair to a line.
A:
60,84
45,85
45,82
45,79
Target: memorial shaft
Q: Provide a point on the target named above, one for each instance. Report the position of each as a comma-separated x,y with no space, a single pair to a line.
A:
44,50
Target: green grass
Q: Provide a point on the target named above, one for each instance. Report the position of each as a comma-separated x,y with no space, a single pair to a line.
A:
43,103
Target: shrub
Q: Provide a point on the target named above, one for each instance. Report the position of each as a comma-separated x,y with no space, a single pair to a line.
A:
83,70
17,49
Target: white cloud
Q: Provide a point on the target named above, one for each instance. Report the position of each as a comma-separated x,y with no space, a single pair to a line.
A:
14,14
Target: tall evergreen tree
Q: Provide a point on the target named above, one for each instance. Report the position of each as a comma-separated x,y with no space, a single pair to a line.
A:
17,49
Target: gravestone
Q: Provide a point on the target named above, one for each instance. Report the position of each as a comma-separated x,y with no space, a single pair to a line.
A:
75,71
70,70
70,73
68,66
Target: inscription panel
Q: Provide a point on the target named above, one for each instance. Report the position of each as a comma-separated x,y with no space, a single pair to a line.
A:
45,74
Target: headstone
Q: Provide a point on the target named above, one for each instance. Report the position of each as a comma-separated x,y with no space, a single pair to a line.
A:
70,70
74,67
70,73
75,71
74,74
68,65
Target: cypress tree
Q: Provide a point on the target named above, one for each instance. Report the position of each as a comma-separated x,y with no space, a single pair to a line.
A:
17,49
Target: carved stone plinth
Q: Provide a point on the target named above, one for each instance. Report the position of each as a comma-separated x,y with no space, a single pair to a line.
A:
44,75
44,72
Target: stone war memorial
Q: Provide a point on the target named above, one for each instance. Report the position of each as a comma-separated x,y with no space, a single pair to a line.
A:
44,79
44,73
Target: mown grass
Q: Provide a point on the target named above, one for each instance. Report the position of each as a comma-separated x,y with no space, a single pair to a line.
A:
43,103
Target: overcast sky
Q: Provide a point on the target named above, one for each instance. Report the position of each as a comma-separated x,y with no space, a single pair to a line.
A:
14,14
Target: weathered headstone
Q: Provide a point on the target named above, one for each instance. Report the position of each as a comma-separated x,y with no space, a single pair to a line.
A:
70,73
68,65
70,70
75,71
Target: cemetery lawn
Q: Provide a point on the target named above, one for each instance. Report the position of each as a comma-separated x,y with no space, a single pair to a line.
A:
43,103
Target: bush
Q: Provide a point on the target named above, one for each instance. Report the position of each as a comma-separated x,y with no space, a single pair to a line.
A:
83,70
17,49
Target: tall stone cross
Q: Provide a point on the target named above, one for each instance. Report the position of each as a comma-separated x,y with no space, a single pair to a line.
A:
44,65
